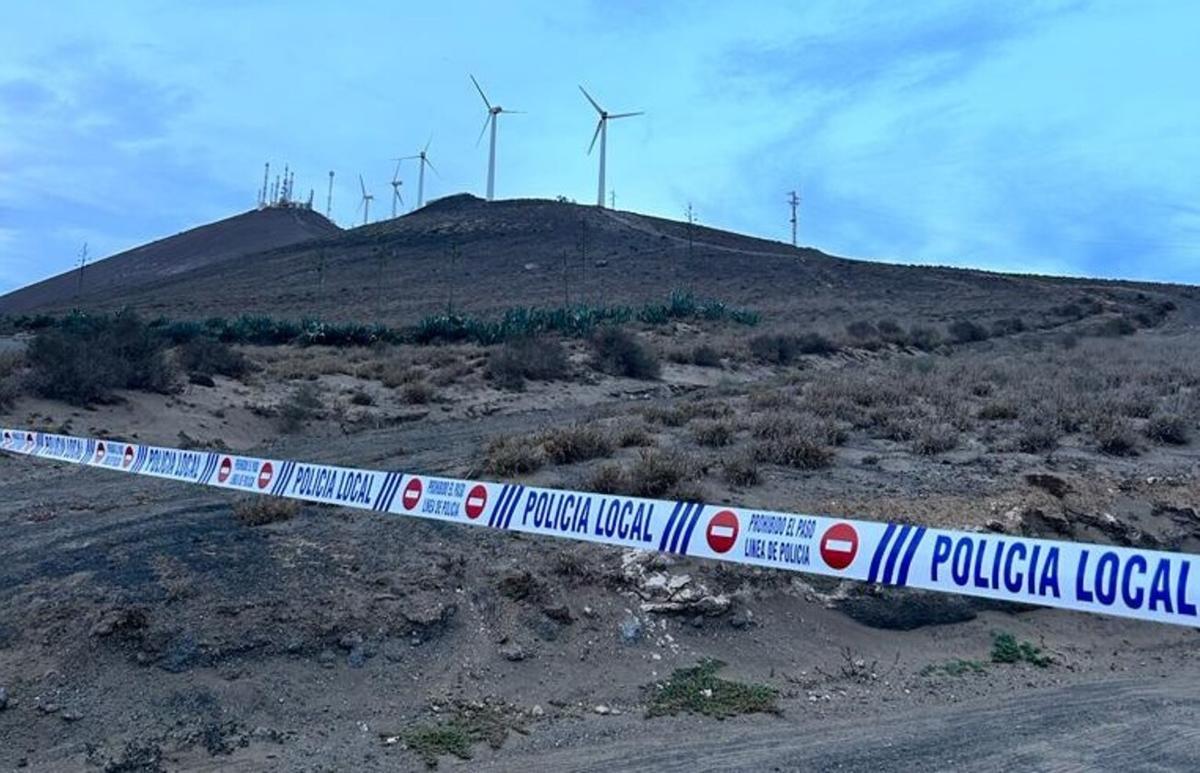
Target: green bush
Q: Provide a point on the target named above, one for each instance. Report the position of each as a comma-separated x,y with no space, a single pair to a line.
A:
83,359
1168,429
208,357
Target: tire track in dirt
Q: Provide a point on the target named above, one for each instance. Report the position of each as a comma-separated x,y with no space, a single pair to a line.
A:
1119,725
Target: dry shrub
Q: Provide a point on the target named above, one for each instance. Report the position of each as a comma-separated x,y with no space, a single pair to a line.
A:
632,435
999,410
608,479
801,453
706,356
1168,429
1114,436
417,393
1038,434
671,416
618,353
261,510
361,396
713,434
934,439
302,405
535,359
576,443
513,456
658,473
740,470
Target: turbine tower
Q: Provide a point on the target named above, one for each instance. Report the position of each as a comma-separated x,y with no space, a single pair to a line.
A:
602,133
396,183
329,198
367,198
423,158
493,114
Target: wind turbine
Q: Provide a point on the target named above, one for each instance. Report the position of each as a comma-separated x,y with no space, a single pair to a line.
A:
493,114
366,199
396,183
602,133
423,158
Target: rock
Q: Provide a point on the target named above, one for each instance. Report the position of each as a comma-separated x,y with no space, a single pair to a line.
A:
537,711
48,708
351,640
678,582
518,584
743,618
3,699
513,652
1052,484
655,583
70,716
560,613
357,658
631,630
602,710
327,659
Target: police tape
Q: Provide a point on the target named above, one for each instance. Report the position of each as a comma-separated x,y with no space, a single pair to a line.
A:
1126,582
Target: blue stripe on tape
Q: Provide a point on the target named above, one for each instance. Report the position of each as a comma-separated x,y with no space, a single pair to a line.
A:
387,480
894,553
908,556
679,526
873,572
662,543
391,495
499,506
512,507
687,535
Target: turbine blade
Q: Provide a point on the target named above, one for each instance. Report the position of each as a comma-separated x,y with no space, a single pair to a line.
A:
427,143
362,185
396,174
594,136
431,166
518,112
484,129
589,99
627,115
481,94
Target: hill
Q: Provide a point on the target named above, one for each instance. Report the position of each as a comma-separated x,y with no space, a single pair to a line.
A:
118,275
471,255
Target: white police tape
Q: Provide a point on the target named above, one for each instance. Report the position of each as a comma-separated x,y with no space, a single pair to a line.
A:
1127,582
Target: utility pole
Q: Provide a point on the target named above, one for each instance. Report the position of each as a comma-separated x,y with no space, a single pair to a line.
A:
612,199
329,198
453,278
566,282
583,259
82,263
691,220
794,200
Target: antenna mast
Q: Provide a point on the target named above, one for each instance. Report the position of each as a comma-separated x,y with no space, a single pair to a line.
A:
329,198
262,198
794,200
82,263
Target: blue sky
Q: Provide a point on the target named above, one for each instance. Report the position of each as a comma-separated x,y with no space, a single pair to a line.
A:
1052,137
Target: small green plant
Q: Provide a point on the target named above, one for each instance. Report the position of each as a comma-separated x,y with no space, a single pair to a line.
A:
1006,649
698,690
469,724
513,456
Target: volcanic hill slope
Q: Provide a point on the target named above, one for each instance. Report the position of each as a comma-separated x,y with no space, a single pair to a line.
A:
481,257
228,239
